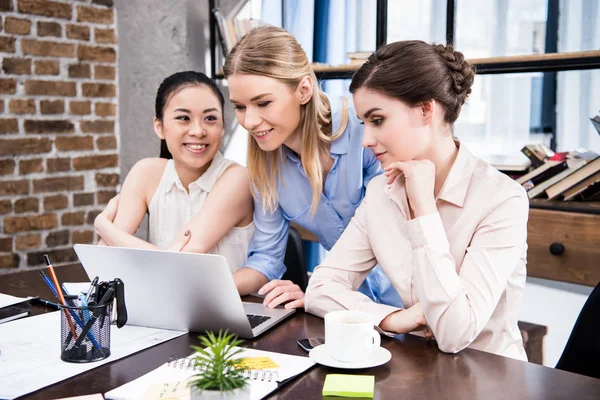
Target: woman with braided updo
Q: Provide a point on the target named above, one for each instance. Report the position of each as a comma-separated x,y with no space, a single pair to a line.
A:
448,229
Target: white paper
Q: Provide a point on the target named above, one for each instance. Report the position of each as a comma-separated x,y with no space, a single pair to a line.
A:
8,300
30,352
154,384
76,288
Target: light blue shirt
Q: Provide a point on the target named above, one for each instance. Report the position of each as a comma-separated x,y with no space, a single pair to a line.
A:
353,168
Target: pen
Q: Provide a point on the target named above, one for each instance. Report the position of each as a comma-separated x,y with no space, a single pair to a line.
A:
45,302
105,299
91,289
60,295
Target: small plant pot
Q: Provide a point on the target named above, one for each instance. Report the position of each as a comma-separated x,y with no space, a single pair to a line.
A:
237,394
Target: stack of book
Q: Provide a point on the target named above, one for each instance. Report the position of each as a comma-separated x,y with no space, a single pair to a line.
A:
358,57
232,30
564,176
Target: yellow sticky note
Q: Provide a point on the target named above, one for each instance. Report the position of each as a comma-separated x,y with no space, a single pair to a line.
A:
258,363
349,385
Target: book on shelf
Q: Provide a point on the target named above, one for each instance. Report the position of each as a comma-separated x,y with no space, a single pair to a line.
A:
266,370
591,193
232,30
537,154
542,173
572,192
590,168
573,164
596,122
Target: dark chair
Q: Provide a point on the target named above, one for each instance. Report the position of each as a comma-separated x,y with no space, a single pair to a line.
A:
294,260
582,352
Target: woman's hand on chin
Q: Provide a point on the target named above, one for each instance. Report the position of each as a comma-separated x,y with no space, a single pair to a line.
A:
278,291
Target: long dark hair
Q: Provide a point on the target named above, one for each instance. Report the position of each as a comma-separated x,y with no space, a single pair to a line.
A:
172,85
416,72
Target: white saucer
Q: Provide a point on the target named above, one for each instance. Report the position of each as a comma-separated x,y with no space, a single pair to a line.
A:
378,357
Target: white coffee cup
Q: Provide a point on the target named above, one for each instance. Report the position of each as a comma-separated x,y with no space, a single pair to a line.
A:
350,336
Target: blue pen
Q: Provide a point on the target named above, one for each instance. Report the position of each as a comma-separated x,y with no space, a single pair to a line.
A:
72,312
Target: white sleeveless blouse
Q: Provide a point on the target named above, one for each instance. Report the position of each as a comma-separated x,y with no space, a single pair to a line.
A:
171,208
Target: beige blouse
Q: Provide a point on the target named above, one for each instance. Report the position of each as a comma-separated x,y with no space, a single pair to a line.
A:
172,207
465,264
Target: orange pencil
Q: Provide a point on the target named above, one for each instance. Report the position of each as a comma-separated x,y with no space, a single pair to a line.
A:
60,295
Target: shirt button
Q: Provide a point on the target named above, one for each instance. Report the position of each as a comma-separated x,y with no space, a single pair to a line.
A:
341,230
333,171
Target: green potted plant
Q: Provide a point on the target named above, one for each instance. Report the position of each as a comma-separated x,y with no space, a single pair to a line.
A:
220,376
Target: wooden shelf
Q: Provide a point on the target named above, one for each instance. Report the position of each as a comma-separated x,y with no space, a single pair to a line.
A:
583,207
495,65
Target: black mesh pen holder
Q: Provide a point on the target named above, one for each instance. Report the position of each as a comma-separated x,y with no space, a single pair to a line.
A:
85,333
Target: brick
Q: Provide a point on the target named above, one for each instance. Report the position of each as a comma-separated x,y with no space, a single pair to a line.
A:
98,90
5,207
31,166
6,5
30,223
49,29
1,104
58,164
96,53
6,245
80,107
8,125
103,196
72,218
107,3
80,71
104,72
57,238
9,261
48,126
83,199
19,106
50,88
12,188
27,242
7,44
95,15
74,143
61,184
97,126
17,26
17,66
24,146
91,216
106,143
47,67
8,86
58,256
85,237
78,32
27,204
105,36
47,48
96,162
46,8
56,202
107,179
52,106
105,109
7,166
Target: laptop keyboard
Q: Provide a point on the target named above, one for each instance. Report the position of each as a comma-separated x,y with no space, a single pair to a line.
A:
256,320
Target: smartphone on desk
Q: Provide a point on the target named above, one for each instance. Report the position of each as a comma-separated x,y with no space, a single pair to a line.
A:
308,344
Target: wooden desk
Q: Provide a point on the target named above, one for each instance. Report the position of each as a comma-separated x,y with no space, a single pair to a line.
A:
418,370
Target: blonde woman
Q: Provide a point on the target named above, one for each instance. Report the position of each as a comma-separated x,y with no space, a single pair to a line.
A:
306,164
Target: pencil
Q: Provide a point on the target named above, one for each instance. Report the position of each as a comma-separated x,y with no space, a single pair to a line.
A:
60,295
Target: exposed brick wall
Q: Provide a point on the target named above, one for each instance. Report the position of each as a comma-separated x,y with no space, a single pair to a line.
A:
58,126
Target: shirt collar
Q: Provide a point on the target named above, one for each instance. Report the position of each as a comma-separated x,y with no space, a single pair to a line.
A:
205,182
457,182
455,187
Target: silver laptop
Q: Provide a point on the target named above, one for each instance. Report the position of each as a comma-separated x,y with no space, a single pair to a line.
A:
179,291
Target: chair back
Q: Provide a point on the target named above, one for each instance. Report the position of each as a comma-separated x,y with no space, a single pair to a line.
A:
582,351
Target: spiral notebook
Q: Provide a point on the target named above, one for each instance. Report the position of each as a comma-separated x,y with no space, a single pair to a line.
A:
266,370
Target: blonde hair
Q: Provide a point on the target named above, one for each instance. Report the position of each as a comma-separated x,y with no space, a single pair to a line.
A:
273,52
